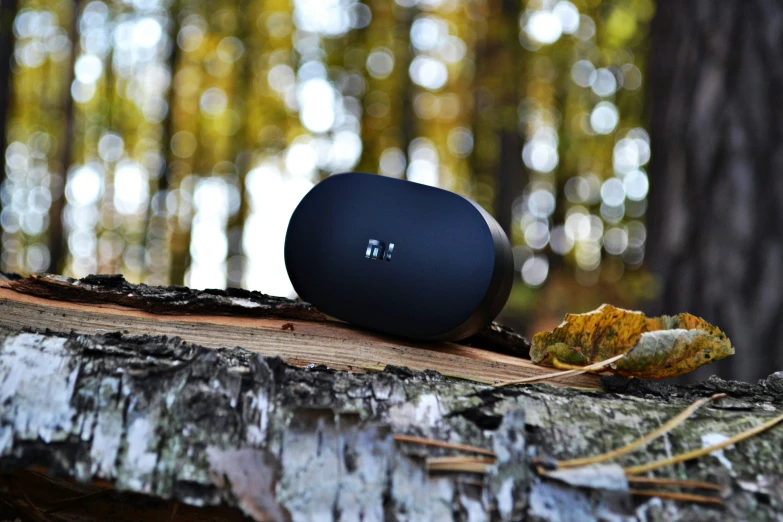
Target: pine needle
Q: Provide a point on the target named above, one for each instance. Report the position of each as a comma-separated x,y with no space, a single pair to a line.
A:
80,497
36,513
694,454
57,505
585,369
641,441
673,495
654,481
441,444
459,463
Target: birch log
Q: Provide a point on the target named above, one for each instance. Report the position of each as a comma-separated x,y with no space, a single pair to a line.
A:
123,426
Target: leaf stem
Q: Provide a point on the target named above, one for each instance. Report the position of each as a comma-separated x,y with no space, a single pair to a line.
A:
589,368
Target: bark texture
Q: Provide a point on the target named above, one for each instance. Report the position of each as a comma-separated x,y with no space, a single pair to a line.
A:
716,201
185,432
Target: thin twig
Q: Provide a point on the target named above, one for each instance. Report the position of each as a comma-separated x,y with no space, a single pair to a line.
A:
589,368
459,463
79,497
57,505
673,495
694,454
36,512
655,481
641,441
441,444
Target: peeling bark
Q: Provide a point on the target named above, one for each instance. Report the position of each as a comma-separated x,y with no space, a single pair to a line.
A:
229,432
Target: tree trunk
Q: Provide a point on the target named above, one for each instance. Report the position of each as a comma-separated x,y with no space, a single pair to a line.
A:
147,427
716,208
57,239
7,17
158,221
496,161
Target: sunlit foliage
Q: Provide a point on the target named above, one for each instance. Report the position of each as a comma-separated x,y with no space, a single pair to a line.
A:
170,140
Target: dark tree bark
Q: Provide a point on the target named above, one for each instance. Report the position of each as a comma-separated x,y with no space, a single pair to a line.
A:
57,240
157,217
510,174
7,16
236,263
716,200
121,426
497,158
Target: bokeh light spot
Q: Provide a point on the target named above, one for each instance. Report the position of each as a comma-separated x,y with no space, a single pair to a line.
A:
317,101
110,147
380,63
544,27
183,144
85,185
213,101
613,192
428,72
535,271
88,68
460,142
604,118
392,162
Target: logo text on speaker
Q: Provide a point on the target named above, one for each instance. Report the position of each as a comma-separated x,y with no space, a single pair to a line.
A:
378,250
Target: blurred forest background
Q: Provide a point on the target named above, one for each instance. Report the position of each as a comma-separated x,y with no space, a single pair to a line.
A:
170,140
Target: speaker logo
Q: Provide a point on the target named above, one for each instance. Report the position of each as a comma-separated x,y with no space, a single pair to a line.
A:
378,250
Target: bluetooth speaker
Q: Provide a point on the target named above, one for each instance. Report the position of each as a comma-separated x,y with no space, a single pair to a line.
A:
398,257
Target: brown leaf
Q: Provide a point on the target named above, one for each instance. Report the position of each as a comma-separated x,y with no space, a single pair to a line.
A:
654,347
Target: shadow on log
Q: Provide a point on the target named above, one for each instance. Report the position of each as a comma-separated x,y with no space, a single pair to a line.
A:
121,423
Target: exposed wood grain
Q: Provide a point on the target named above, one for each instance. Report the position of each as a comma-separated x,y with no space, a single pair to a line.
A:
298,342
180,300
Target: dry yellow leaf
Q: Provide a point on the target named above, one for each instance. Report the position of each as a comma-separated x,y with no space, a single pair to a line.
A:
654,347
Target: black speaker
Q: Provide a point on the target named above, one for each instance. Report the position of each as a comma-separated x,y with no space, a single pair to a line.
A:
398,257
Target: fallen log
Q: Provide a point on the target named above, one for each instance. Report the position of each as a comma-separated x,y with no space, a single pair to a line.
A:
101,418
